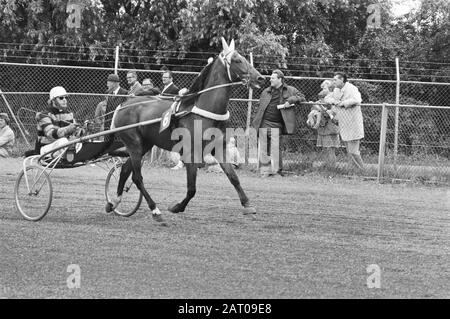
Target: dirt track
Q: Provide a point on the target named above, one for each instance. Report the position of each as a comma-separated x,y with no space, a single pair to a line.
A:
314,237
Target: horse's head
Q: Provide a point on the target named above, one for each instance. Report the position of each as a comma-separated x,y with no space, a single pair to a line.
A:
238,68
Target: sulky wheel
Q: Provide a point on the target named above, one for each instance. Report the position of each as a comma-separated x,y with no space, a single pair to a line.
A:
131,198
33,193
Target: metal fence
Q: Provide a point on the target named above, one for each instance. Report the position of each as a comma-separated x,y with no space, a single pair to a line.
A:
422,151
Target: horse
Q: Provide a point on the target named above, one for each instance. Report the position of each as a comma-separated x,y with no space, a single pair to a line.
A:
206,104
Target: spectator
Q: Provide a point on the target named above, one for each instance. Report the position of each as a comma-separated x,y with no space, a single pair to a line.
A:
326,123
147,83
56,125
232,155
113,84
349,115
7,137
133,83
148,88
276,115
99,116
169,88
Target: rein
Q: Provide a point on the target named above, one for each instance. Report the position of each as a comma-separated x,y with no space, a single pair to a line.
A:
213,88
195,109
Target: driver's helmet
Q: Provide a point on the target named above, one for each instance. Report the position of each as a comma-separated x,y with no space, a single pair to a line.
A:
57,91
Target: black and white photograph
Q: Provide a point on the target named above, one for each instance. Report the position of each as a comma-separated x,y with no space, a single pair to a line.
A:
224,155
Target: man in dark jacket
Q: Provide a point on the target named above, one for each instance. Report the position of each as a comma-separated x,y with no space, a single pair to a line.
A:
276,114
169,88
112,102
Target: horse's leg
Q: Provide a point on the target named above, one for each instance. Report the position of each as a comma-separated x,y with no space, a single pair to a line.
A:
136,162
125,172
191,173
234,179
136,149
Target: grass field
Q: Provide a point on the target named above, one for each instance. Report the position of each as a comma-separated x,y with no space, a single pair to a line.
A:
313,237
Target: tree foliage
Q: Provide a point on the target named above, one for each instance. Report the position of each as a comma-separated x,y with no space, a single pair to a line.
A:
317,33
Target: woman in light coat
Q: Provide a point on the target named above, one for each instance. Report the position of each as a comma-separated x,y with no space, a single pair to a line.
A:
349,116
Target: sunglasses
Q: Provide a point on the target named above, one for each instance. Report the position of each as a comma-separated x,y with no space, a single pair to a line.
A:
62,98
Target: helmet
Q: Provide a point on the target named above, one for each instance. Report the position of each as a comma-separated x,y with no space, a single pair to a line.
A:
57,91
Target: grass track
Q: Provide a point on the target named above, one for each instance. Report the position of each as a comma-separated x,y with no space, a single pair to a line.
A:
313,238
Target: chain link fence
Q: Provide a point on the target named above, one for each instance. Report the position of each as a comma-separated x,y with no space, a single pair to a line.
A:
422,150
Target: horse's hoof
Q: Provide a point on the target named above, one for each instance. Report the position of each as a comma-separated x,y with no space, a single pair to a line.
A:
156,214
158,218
250,210
175,209
109,207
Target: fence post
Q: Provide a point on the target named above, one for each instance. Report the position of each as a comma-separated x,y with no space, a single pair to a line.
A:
249,114
381,152
116,62
397,101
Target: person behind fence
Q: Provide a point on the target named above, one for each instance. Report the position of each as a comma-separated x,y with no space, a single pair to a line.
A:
350,118
7,137
323,119
102,117
133,83
276,115
169,89
99,116
147,88
112,102
232,156
55,125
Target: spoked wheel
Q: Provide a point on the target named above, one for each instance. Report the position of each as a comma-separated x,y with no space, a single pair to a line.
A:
131,198
33,193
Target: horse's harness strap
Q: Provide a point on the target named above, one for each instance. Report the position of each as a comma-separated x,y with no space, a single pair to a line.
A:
210,115
225,62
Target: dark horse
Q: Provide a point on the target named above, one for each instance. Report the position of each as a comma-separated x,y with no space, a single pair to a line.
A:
206,105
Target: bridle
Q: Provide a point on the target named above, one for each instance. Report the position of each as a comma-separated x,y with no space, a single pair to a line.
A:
244,80
224,59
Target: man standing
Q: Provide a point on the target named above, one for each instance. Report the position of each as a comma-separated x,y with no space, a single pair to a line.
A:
276,115
169,88
113,84
349,115
133,83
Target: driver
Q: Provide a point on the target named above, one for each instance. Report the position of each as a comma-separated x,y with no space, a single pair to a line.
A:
56,124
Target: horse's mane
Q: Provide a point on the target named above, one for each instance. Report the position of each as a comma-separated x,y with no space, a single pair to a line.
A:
200,81
198,85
